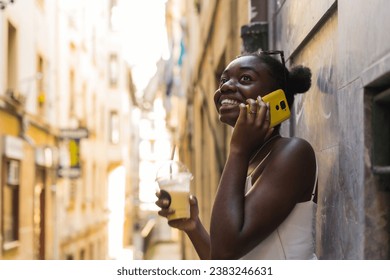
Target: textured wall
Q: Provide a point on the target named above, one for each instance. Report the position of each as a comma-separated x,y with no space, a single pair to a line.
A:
348,54
364,51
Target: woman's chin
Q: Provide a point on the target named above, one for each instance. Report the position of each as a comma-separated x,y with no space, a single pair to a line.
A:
227,120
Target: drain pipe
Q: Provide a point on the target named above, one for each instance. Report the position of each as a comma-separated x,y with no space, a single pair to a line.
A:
255,34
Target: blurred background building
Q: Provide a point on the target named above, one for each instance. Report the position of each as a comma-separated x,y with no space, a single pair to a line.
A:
81,137
65,107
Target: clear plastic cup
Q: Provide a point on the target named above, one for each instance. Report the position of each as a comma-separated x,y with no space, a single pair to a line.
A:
174,178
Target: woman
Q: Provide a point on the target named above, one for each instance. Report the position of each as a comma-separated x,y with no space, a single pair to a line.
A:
265,203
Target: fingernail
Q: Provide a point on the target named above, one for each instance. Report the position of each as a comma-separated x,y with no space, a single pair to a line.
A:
165,202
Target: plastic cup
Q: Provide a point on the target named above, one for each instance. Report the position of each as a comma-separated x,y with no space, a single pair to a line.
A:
174,178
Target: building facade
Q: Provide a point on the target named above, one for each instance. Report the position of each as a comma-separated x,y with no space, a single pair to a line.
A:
344,115
64,115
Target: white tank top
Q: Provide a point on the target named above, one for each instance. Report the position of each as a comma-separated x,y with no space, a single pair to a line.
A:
293,239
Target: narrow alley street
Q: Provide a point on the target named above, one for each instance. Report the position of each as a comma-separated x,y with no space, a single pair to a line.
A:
95,95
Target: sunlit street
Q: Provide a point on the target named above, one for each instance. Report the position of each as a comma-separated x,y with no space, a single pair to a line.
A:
194,130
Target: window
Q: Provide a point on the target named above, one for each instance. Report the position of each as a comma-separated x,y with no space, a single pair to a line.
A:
94,184
114,15
12,58
91,253
93,46
114,128
72,194
41,95
39,213
10,196
377,167
82,254
72,93
113,70
381,135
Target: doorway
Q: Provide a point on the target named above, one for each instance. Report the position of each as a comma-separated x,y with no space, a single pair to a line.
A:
39,214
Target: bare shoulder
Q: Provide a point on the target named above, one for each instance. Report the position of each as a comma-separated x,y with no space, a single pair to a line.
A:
295,160
294,148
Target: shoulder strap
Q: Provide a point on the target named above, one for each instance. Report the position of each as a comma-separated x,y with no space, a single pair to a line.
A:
315,182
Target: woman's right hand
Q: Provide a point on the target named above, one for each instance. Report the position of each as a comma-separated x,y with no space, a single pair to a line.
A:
182,224
251,129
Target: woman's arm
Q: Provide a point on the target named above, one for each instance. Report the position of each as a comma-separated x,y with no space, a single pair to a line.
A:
228,214
200,240
239,222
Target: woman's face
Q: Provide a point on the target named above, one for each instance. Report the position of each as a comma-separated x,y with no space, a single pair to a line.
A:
245,77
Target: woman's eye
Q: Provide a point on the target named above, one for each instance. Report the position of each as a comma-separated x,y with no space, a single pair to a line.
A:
246,78
223,80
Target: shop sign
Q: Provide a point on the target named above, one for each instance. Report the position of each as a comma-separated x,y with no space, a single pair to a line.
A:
70,163
74,133
13,147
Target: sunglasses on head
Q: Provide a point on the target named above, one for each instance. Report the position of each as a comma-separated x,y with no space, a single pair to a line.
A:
281,53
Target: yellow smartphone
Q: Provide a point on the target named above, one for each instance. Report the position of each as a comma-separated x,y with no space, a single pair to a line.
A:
278,106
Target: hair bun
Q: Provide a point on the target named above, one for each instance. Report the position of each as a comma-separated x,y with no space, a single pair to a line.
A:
299,79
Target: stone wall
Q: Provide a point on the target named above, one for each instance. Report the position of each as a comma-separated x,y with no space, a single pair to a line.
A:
349,56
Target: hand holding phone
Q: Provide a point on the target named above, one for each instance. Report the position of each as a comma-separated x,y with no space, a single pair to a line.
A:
278,107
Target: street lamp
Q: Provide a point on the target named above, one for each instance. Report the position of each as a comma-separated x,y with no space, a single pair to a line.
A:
3,4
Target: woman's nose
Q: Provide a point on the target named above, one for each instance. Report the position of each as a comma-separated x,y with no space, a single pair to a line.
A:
229,85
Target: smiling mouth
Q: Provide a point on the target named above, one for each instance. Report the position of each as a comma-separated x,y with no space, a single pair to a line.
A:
229,102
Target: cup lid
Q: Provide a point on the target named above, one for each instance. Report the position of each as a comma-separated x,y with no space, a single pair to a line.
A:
171,169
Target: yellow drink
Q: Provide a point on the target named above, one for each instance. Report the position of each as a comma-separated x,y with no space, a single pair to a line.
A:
180,203
174,179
